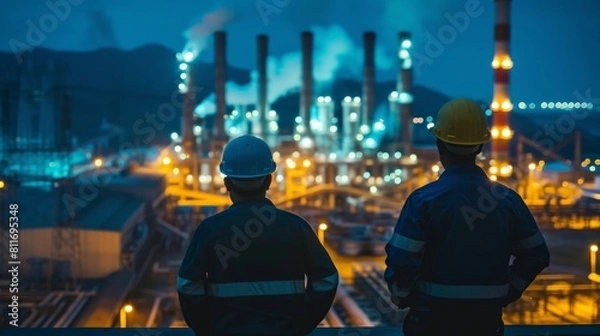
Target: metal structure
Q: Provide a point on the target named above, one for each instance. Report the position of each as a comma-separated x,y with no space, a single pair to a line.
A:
262,42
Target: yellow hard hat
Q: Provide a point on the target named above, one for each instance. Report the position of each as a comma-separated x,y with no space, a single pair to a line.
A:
461,122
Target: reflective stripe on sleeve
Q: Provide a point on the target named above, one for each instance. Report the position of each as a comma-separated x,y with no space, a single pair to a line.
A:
327,283
462,292
190,287
531,242
258,288
405,243
518,282
396,291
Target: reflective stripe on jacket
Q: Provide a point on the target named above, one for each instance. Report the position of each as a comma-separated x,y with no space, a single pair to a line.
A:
255,270
454,239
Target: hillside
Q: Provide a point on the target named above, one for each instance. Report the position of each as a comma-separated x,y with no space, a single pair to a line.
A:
122,86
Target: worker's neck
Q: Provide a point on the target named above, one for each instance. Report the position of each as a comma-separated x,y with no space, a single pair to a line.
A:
454,163
247,198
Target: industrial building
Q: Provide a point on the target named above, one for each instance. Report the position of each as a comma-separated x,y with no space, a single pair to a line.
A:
103,231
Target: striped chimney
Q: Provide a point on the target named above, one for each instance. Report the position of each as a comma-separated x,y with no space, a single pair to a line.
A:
501,104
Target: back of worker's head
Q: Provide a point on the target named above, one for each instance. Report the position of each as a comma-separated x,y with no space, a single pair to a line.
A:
461,130
247,164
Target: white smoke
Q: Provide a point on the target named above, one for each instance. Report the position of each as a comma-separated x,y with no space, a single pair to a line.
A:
198,35
334,50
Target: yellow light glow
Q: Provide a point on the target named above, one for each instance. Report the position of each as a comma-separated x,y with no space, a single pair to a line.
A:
322,226
435,168
175,171
306,163
166,160
594,248
189,178
531,166
128,308
507,106
2,184
507,64
98,162
493,178
495,63
494,170
506,133
495,133
495,105
597,162
290,163
505,170
580,181
542,162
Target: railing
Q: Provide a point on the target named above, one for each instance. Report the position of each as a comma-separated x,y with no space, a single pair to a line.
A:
573,330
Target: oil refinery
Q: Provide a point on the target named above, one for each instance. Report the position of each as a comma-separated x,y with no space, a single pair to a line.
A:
104,224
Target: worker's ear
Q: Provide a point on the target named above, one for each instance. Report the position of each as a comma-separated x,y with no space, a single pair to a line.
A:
267,182
227,184
479,150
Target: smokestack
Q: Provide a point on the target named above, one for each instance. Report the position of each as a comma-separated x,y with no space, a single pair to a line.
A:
218,131
368,79
307,80
501,105
189,103
263,109
405,97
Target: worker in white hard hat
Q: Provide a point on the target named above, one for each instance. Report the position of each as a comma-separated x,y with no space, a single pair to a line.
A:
245,269
448,259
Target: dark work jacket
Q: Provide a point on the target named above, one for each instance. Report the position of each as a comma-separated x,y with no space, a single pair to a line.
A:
244,274
454,239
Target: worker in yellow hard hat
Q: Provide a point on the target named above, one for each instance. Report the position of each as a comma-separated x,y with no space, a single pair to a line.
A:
448,259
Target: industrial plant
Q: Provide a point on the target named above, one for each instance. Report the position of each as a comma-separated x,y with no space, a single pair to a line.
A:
103,224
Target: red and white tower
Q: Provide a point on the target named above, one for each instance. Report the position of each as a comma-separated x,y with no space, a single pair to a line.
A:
501,104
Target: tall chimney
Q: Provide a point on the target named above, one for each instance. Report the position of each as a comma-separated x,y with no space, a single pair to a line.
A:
189,103
405,98
218,131
368,103
263,109
501,105
306,98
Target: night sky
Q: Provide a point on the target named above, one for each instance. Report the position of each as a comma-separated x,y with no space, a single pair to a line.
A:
554,42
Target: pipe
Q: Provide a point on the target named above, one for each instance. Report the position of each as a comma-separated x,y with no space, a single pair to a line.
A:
368,79
153,312
357,316
334,320
220,41
307,81
263,109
